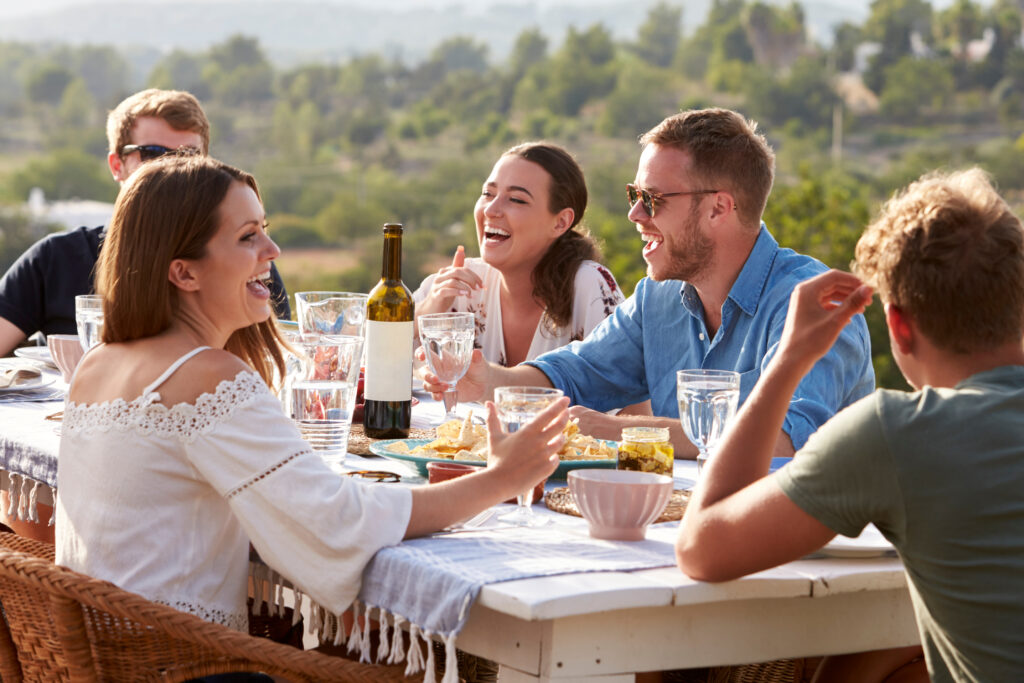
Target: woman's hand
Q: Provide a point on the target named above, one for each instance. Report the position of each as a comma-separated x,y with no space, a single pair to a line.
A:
451,282
472,386
529,454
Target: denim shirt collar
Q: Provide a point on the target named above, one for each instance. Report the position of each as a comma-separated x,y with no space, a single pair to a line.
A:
746,291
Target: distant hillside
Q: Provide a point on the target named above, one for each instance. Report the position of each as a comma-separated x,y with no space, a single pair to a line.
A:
322,30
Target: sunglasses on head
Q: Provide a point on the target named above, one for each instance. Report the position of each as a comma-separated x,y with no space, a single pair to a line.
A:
150,152
650,199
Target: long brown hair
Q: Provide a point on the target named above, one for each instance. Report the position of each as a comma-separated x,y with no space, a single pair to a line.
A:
169,209
554,277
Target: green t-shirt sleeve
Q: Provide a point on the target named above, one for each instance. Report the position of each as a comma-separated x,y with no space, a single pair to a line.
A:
844,476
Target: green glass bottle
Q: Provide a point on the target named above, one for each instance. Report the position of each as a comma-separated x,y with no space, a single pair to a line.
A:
389,343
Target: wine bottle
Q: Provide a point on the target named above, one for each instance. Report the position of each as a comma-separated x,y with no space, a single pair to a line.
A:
389,341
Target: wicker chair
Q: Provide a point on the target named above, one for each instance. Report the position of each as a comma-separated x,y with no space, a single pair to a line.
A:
60,625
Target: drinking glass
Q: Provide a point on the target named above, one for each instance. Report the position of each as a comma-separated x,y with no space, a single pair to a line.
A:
516,407
707,401
447,340
89,318
331,313
324,399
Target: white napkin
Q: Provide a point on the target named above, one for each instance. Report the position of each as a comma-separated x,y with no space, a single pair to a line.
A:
12,377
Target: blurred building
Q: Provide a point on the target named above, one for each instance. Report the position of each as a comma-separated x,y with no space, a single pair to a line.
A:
69,213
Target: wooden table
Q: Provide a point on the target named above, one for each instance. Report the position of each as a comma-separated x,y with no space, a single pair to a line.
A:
607,626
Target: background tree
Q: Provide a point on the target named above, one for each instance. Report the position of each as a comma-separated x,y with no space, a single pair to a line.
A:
914,87
658,37
891,24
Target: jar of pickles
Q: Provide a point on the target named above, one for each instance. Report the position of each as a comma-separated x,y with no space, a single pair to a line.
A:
646,449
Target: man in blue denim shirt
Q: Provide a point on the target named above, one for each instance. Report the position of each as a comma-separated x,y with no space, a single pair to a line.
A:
716,294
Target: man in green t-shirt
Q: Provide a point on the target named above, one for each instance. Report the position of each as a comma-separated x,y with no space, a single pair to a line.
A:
939,471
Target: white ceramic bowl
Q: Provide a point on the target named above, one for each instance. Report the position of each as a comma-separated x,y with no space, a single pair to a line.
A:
66,351
619,504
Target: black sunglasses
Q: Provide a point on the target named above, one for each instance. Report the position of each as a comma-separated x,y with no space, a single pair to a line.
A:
648,199
150,152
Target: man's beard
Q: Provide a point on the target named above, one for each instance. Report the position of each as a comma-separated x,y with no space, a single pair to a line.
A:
690,258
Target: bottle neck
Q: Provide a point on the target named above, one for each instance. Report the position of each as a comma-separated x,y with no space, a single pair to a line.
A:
392,269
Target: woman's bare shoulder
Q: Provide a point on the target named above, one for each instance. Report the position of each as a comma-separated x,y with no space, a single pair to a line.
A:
201,374
123,371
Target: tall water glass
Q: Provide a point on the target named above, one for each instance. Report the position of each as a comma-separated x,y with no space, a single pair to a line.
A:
707,401
324,400
447,340
89,318
331,313
516,407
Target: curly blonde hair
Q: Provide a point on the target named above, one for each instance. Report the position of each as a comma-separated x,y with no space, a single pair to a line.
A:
949,251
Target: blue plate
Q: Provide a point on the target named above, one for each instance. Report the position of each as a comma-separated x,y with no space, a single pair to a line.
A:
384,449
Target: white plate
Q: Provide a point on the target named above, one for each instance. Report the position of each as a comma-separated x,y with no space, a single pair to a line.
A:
870,543
36,353
44,378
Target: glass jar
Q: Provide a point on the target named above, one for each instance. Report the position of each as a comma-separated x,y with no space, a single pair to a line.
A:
646,449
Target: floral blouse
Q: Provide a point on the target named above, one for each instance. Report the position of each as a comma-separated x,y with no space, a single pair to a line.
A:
595,296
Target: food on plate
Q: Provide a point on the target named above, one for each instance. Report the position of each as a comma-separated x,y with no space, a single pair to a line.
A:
465,440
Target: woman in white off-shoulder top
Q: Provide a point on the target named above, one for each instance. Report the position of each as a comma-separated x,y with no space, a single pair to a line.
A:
175,454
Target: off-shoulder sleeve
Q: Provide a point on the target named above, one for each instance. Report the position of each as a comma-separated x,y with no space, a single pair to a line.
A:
596,294
310,524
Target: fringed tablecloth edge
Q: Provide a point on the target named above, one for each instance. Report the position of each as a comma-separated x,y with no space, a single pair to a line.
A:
328,627
22,503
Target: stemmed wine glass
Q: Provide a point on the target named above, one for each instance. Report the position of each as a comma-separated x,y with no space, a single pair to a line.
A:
516,407
707,401
447,340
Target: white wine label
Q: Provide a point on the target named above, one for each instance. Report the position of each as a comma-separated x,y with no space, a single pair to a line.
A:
388,361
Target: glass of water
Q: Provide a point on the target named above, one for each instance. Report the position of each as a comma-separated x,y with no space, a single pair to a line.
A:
447,340
89,318
331,313
324,399
707,401
516,407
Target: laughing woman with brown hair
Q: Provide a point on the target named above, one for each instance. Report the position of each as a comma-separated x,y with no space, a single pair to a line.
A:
537,284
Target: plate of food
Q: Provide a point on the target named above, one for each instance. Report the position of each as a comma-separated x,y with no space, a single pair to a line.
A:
40,354
466,442
870,543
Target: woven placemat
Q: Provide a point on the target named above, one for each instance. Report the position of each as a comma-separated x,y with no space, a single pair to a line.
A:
359,442
561,500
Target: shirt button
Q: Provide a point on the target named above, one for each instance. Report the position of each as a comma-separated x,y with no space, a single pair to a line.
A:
701,336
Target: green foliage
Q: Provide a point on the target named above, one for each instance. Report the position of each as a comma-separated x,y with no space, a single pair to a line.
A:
531,47
891,23
47,82
493,130
581,71
181,71
65,174
914,87
289,230
658,37
804,95
639,101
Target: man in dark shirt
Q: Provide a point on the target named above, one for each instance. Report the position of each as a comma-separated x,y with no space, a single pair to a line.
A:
37,294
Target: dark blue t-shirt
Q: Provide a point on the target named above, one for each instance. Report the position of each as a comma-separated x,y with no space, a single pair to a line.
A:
37,294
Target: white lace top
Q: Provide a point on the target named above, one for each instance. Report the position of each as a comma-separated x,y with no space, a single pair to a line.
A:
595,296
164,501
